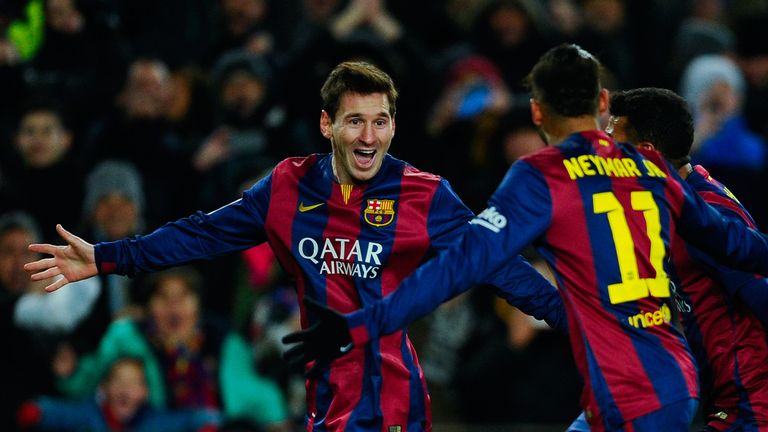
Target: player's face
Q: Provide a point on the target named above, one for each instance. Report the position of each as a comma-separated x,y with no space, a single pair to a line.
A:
360,135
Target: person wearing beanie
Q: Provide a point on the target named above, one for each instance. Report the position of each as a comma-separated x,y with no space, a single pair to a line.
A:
714,88
114,200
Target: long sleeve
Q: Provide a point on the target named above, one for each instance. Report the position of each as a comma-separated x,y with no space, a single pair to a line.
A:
234,227
750,288
726,240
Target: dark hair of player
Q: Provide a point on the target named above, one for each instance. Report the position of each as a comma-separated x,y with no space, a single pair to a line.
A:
658,116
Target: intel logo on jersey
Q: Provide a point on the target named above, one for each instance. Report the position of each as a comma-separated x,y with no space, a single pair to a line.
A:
343,256
491,219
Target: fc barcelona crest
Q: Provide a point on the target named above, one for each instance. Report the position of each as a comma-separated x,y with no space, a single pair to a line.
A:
379,212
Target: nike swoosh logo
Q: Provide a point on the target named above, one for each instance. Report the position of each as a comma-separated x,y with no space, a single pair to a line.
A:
303,208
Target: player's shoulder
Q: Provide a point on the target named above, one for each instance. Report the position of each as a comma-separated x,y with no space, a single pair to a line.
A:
650,154
410,172
297,166
297,162
540,159
543,154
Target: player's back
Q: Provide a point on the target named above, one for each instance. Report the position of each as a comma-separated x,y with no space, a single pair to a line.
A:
612,213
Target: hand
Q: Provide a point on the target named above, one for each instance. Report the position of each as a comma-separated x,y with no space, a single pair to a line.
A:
75,261
328,338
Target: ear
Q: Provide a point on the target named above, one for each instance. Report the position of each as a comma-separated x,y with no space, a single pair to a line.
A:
536,115
646,145
393,126
326,124
603,101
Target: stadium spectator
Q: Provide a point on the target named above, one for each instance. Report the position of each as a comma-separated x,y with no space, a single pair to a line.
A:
121,403
191,361
139,130
715,88
25,366
510,35
44,148
251,125
463,123
81,59
113,208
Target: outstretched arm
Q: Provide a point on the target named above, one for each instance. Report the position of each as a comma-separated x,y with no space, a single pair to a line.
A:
73,262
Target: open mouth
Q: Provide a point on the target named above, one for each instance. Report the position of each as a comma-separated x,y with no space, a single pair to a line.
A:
364,157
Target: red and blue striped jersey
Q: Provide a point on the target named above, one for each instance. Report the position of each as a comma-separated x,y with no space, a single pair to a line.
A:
346,247
603,216
727,340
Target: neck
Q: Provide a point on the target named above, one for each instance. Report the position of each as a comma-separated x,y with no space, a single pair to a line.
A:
336,171
558,129
685,170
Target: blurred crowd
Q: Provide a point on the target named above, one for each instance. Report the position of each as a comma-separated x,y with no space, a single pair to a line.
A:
121,115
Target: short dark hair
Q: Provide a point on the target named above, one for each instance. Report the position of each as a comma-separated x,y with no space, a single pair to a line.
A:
356,77
567,80
659,116
187,273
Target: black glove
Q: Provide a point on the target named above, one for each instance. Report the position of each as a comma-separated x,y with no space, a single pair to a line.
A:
328,338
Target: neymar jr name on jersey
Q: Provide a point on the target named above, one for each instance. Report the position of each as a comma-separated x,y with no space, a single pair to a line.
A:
592,165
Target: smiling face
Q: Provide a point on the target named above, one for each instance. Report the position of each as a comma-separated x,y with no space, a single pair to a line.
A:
361,132
126,389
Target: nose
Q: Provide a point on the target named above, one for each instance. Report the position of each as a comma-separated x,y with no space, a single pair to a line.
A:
367,135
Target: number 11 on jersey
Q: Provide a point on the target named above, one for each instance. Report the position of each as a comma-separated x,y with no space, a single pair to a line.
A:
632,286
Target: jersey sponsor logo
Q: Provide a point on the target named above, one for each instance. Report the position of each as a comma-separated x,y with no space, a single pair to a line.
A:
343,256
662,315
491,219
305,208
592,165
379,212
396,428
